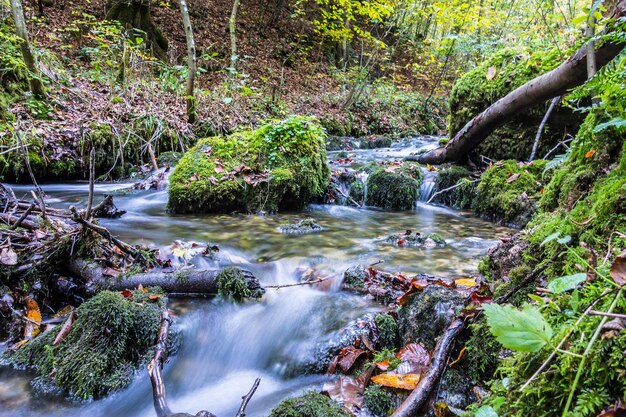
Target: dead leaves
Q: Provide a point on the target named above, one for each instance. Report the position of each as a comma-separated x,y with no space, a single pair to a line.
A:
414,362
491,73
348,391
8,256
33,318
65,329
618,269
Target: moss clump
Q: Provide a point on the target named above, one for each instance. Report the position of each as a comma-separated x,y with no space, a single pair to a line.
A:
232,284
396,189
509,192
474,92
378,401
417,239
310,404
308,225
459,197
279,166
110,338
482,352
387,331
354,278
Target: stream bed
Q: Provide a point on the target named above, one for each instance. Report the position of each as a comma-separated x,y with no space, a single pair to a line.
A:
225,346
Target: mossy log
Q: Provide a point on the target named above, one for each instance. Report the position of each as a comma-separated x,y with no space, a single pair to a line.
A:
571,73
208,282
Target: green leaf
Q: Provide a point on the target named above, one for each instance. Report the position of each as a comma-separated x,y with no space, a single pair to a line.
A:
550,238
617,122
523,330
564,240
486,411
566,283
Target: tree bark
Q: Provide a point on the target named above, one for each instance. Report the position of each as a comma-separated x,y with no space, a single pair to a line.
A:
136,14
233,37
569,74
191,61
34,82
191,282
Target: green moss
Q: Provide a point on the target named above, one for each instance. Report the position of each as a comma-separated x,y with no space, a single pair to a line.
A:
482,352
354,278
310,404
231,284
279,166
473,93
378,400
509,192
387,331
459,197
397,190
110,338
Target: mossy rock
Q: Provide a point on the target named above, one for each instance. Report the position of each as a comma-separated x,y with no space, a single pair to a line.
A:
310,404
378,400
387,331
231,284
474,92
111,337
459,197
394,190
416,239
427,314
508,192
280,166
304,226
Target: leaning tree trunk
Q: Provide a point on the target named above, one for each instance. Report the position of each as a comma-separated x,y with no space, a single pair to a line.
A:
569,74
191,61
34,82
135,14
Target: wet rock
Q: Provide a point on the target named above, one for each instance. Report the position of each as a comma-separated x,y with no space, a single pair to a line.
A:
455,392
347,188
310,404
304,226
427,314
410,239
379,401
459,197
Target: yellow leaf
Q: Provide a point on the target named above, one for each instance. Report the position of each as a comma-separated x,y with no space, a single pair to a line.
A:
406,381
465,282
590,153
491,73
33,315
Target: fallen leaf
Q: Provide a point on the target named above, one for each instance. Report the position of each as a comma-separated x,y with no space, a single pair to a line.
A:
415,359
512,178
110,272
348,391
618,269
155,297
458,358
617,410
383,366
465,282
8,257
590,153
491,73
402,381
127,294
65,329
33,314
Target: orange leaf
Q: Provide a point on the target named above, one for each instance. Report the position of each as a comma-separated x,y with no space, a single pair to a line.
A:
407,381
618,269
127,294
154,297
590,153
465,282
33,314
383,366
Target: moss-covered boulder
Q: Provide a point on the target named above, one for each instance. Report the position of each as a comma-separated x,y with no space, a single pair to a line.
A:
416,239
396,187
310,404
280,166
498,75
508,192
427,314
304,226
110,338
379,401
462,194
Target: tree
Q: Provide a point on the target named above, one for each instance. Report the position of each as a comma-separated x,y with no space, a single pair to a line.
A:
569,74
191,62
135,14
34,82
233,36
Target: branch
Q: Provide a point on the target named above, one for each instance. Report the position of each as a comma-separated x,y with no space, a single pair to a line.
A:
104,232
458,184
246,398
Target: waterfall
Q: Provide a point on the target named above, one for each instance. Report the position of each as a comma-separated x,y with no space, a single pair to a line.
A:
428,185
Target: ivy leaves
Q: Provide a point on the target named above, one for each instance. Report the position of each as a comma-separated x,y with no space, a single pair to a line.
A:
523,330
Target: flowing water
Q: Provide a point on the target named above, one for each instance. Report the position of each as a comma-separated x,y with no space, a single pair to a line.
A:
225,346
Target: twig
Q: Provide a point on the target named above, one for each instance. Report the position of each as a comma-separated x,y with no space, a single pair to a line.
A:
155,166
246,398
348,197
104,232
40,192
22,217
612,315
458,184
297,284
92,178
15,148
553,104
416,400
530,278
561,143
154,368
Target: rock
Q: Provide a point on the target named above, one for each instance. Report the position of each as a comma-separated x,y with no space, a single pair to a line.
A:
455,390
308,225
427,314
310,404
395,187
409,239
459,197
280,166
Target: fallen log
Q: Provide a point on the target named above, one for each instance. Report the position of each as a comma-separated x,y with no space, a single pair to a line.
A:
566,76
418,397
205,282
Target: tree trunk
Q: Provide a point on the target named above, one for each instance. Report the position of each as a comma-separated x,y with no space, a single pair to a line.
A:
569,74
191,282
136,14
191,61
34,82
233,37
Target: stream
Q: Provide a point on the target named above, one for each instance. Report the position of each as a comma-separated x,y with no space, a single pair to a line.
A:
226,346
